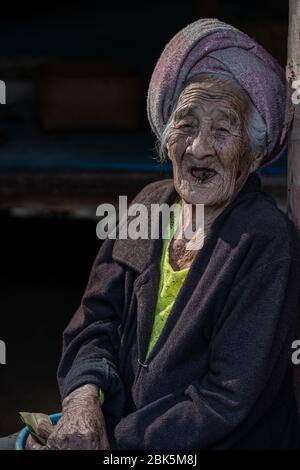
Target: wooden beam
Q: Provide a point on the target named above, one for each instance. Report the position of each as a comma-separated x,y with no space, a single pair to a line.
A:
70,190
293,112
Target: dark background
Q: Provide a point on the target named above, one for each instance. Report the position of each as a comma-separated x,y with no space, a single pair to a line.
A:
47,215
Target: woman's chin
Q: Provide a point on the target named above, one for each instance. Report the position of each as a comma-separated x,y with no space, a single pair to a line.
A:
195,192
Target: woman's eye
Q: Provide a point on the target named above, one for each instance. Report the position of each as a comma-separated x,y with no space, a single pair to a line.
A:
185,126
223,129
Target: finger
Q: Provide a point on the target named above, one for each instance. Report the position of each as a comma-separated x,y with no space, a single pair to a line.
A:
45,429
32,444
58,442
104,442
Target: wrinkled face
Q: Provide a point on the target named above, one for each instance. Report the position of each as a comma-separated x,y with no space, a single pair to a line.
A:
208,144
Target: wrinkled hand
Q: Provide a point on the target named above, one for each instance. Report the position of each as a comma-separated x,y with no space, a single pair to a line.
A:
82,425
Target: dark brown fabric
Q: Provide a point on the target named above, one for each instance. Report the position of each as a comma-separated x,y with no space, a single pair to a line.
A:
220,373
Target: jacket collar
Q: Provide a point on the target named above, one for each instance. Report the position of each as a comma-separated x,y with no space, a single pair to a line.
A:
139,254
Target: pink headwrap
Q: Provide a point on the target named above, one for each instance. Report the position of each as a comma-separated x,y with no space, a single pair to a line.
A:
209,45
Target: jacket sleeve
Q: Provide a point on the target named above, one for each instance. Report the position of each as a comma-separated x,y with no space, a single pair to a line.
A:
249,354
91,339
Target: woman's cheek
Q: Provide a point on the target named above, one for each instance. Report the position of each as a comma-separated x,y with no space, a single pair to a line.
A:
229,155
177,147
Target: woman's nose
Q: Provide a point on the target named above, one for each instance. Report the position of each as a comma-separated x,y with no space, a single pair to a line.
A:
201,144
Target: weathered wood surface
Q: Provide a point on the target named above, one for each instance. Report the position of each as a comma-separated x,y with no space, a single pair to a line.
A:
293,112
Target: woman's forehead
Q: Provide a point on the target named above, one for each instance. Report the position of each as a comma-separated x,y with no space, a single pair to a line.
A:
214,109
223,102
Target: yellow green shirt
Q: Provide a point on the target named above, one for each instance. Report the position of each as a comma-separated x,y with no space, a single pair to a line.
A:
169,286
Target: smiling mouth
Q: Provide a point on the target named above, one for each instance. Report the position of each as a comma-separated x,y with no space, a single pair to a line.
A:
202,175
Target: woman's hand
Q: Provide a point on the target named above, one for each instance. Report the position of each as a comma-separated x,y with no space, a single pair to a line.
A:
82,425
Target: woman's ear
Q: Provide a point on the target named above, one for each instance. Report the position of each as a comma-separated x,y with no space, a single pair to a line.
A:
257,159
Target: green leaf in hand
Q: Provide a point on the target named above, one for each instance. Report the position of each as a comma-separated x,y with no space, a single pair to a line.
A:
33,420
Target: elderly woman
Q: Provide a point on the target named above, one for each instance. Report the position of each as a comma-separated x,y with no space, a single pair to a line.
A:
177,348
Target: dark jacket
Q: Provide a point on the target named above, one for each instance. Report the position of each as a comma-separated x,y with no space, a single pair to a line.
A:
220,373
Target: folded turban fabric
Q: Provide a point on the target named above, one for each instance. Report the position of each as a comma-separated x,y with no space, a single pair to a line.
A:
209,45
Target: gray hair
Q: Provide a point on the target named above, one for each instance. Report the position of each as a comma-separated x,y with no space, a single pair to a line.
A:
255,125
